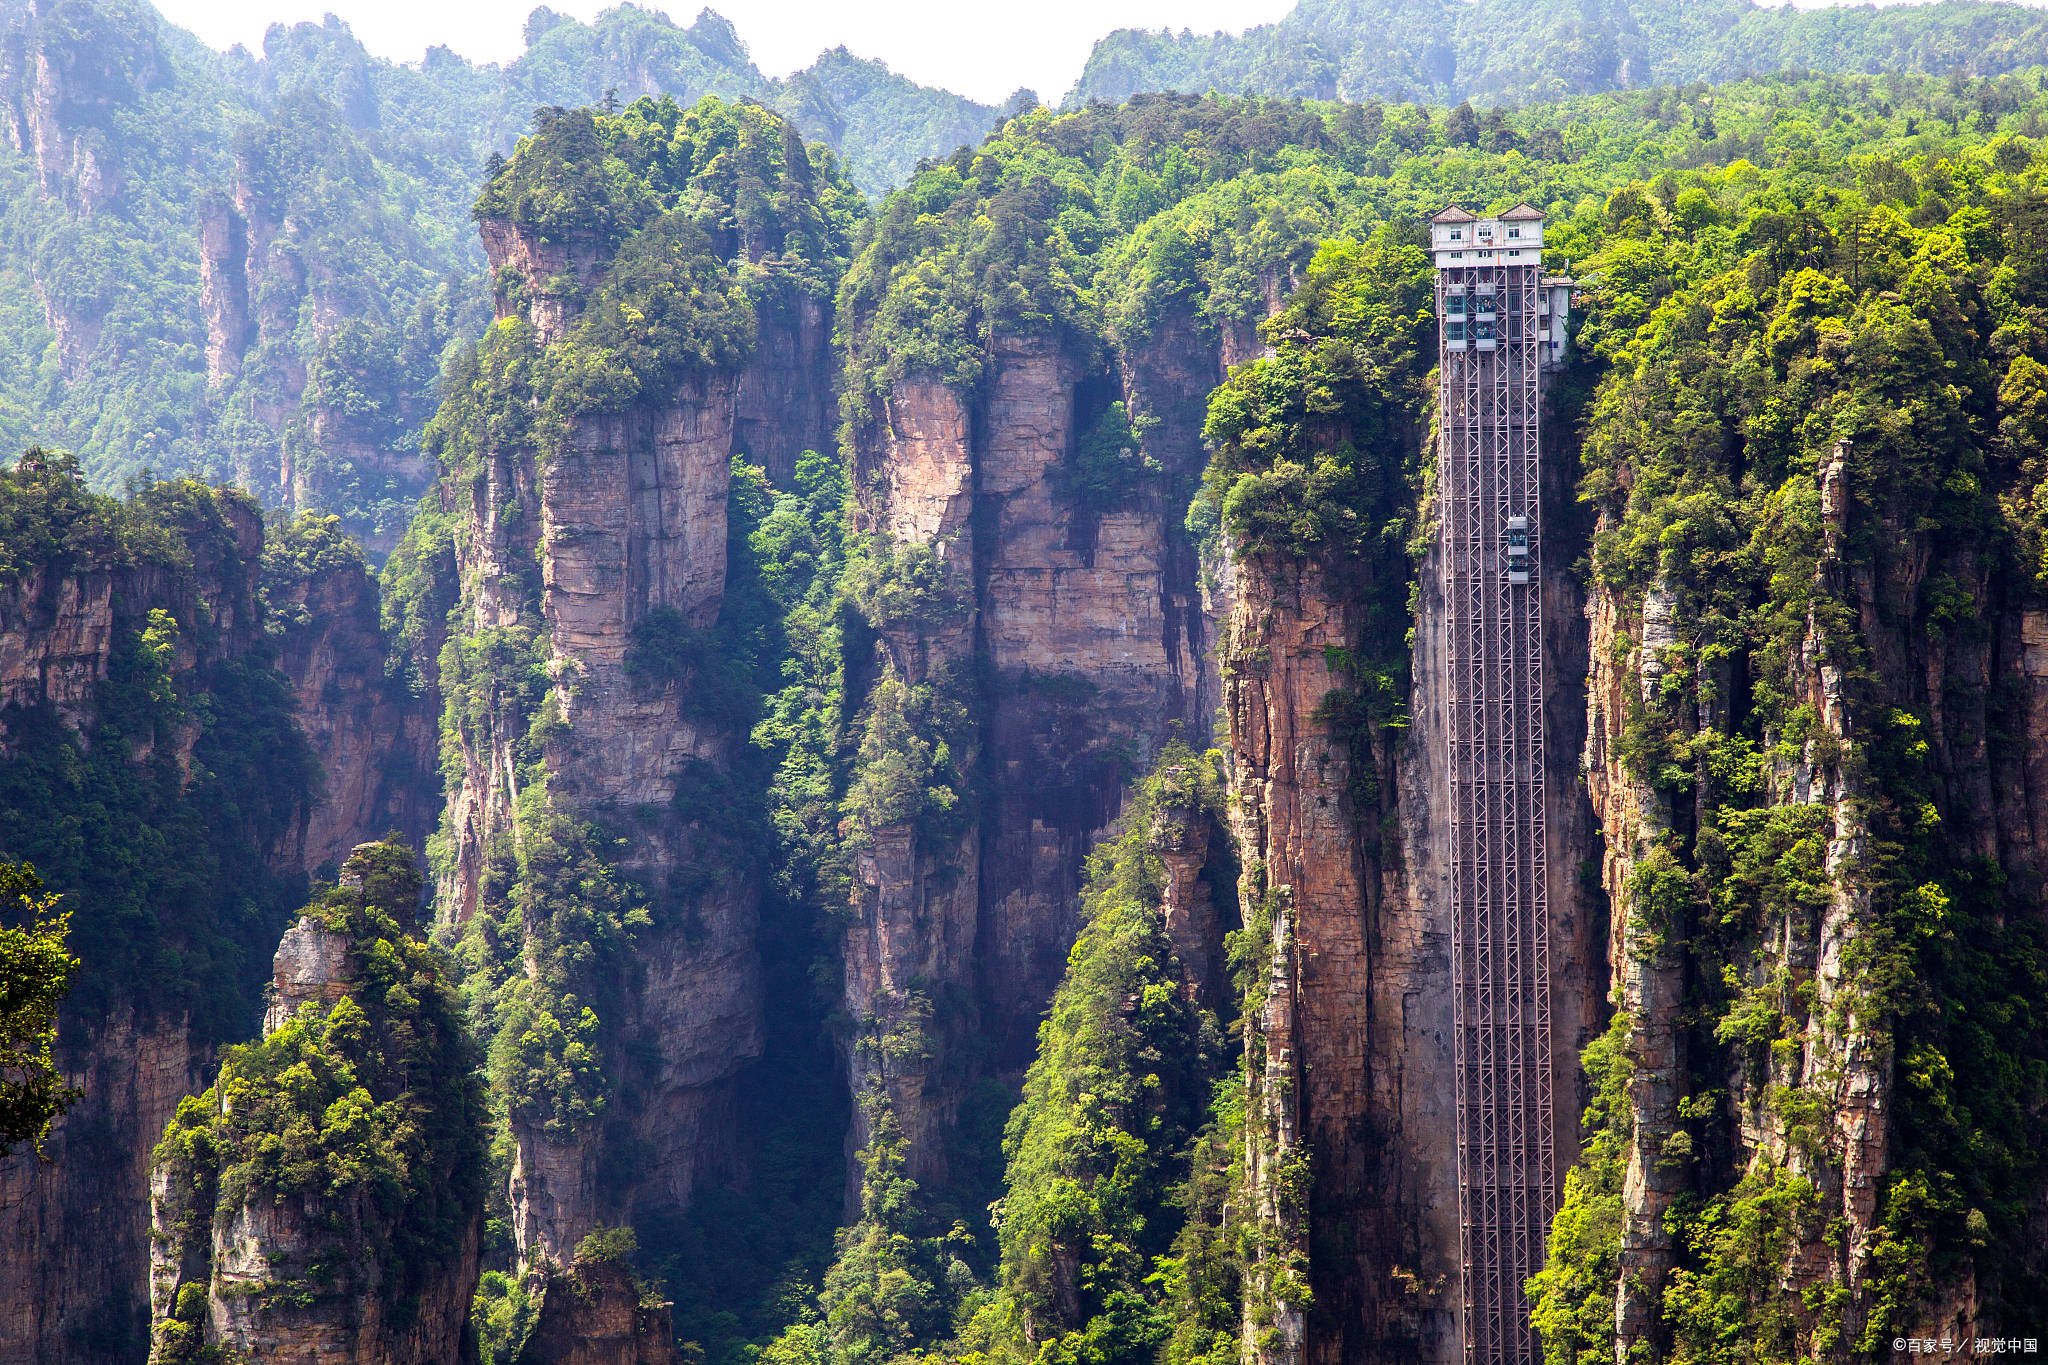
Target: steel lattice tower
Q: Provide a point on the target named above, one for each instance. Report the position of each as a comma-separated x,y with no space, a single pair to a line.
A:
1498,333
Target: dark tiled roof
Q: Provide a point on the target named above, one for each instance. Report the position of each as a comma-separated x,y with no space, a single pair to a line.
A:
1452,214
1521,213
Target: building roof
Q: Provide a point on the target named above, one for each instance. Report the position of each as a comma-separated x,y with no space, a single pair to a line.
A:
1521,213
1451,214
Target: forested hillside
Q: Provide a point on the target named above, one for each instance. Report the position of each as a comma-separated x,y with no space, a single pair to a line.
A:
251,267
939,702
1512,51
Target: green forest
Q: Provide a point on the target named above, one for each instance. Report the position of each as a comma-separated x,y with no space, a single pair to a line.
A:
1804,415
1495,51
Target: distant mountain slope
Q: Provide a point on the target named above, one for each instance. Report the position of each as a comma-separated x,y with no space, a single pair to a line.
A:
248,266
1513,51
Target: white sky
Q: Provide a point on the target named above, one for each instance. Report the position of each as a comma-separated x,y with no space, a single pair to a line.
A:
978,48
983,49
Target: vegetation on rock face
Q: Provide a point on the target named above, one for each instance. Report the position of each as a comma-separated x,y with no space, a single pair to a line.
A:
696,223
1102,1194
35,971
1815,333
295,259
156,809
1101,228
1111,1243
1814,444
1304,441
362,1117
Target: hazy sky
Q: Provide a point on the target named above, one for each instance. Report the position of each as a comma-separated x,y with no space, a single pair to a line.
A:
980,49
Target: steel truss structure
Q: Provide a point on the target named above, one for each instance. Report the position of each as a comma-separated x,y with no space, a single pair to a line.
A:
1488,412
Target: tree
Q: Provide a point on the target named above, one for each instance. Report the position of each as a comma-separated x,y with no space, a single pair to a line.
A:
1461,126
35,972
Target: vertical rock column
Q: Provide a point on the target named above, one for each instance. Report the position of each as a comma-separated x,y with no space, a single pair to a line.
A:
627,520
1086,674
363,1249
1077,642
1306,876
916,890
1648,974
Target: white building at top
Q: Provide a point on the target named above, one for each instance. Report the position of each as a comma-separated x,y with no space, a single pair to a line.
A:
1490,256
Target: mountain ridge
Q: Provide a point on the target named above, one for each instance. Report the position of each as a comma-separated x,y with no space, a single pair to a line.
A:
1444,51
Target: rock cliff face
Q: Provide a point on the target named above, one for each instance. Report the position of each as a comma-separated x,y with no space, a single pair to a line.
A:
65,80
595,1314
61,621
628,521
1074,639
375,740
788,398
60,626
1883,722
263,290
594,724
363,1251
64,626
1649,978
1307,869
81,1296
1353,1090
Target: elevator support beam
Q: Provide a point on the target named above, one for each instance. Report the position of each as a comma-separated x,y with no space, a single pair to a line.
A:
1501,324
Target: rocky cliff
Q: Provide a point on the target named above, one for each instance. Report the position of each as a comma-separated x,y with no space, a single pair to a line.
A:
1797,707
323,1200
596,853
375,738
66,76
1806,967
1062,634
627,520
322,391
595,1312
166,779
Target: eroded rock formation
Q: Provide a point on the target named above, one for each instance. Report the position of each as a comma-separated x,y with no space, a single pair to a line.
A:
595,1313
586,471
1073,636
69,628
627,520
361,1249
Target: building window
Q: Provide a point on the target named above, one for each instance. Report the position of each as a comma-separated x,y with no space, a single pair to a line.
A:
1514,232
1457,234
1513,254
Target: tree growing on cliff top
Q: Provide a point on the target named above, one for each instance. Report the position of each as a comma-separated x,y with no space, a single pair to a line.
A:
35,972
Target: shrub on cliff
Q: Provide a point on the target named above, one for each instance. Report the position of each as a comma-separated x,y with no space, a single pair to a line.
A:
1317,447
35,971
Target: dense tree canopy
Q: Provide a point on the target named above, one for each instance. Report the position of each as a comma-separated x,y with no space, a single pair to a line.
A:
35,971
